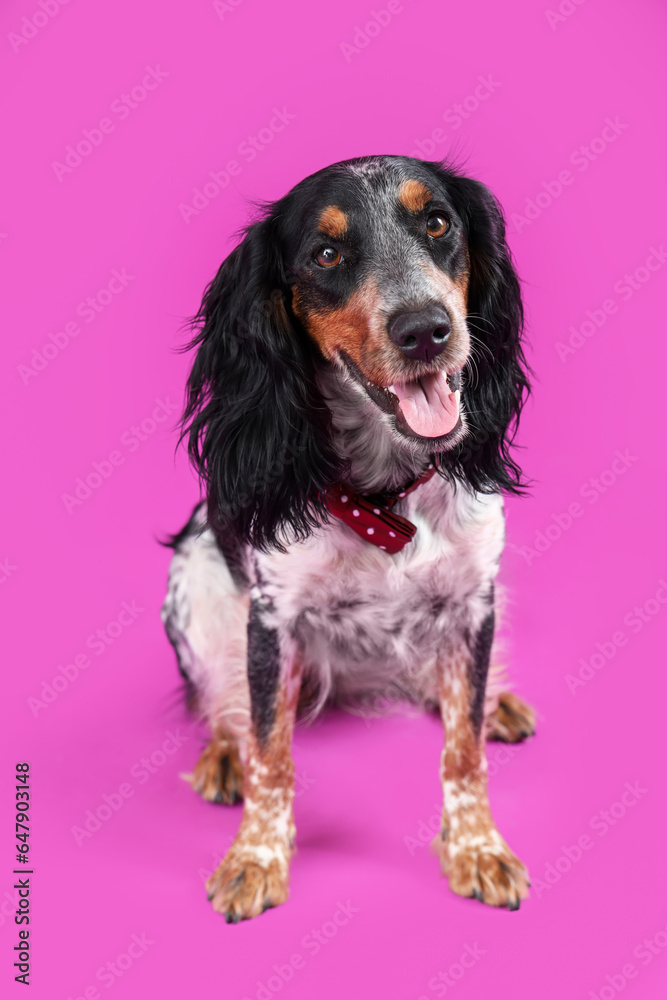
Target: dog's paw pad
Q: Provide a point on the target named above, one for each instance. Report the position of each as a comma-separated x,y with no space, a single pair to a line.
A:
512,721
488,873
242,888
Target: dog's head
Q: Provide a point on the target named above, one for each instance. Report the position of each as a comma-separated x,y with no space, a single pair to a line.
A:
389,274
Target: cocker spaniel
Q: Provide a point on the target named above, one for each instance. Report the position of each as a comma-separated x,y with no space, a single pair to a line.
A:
358,378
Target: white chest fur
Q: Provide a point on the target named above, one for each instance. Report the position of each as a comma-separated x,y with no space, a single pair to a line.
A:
366,619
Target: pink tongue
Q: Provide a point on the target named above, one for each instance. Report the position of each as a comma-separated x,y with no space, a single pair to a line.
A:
429,406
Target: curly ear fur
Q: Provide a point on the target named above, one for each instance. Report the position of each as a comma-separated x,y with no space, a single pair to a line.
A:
496,392
257,430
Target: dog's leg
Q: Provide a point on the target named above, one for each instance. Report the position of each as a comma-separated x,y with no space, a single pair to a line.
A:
218,774
255,873
473,855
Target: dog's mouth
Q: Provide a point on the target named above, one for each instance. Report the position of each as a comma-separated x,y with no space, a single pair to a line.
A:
427,407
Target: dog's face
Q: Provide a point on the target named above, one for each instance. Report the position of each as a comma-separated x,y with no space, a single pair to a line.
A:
379,269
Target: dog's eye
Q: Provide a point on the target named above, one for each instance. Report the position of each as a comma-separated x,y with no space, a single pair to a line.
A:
328,257
436,225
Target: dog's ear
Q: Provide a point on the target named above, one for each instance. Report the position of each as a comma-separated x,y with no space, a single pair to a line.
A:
257,428
497,384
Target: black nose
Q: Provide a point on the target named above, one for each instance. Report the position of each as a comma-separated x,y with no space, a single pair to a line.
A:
421,335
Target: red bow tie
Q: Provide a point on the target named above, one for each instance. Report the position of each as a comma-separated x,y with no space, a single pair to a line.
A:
371,517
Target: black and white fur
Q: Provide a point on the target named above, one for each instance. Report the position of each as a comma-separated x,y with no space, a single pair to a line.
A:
263,578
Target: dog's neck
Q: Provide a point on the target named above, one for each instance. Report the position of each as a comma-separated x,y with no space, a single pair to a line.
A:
379,462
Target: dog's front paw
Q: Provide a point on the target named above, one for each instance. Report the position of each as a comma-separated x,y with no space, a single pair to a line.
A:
512,721
248,881
488,871
218,774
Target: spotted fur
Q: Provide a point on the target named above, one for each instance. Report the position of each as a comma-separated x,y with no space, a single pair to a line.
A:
274,607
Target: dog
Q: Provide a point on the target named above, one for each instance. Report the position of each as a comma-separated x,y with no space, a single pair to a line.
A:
358,378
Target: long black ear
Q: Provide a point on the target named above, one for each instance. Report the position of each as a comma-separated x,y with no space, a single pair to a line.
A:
257,428
497,385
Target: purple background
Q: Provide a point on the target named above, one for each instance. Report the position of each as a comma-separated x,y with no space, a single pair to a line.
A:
368,788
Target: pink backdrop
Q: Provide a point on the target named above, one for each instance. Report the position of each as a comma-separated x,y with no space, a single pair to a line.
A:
117,120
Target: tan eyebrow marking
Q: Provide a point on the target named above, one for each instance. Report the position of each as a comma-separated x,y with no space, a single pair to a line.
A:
333,222
414,195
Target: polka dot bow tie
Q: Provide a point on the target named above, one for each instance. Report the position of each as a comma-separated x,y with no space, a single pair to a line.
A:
371,516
